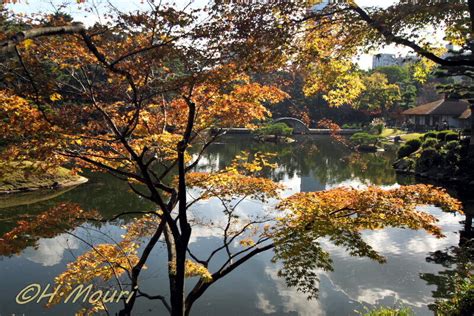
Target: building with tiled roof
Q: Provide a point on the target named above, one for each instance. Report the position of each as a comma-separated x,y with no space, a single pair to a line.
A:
447,111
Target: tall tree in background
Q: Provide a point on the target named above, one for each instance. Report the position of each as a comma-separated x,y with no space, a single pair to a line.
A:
407,23
403,77
379,95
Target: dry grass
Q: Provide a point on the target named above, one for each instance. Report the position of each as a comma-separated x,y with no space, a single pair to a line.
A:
21,176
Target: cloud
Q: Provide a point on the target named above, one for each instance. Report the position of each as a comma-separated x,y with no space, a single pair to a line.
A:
50,251
264,304
292,300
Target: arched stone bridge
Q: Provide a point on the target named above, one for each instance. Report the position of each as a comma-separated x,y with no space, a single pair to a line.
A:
298,126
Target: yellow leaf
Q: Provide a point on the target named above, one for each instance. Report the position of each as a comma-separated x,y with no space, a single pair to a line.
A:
28,43
55,97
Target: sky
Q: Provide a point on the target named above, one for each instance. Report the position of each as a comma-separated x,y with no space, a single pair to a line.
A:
35,6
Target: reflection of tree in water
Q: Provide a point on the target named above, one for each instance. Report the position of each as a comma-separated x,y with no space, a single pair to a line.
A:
103,193
340,216
30,228
319,156
454,292
98,194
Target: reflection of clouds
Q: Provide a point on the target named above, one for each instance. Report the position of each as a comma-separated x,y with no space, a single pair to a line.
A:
445,219
201,231
210,220
375,296
357,183
430,243
292,300
263,304
50,251
397,241
382,241
397,281
424,243
291,185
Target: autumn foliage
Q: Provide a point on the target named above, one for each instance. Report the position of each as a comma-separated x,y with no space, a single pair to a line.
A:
340,215
138,96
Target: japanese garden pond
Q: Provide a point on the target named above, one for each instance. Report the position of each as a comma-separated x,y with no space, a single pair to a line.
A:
310,164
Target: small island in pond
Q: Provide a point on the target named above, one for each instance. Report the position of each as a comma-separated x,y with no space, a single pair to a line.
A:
28,176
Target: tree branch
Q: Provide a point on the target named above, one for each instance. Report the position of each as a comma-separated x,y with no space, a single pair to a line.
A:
9,45
392,38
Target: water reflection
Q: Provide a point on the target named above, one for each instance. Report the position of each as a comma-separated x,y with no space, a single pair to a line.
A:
50,251
316,162
310,164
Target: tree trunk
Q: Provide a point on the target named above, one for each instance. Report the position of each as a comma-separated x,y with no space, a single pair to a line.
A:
177,283
471,142
384,112
181,242
196,293
127,310
471,14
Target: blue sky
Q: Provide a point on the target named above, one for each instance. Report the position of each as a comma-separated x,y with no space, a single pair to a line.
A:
35,6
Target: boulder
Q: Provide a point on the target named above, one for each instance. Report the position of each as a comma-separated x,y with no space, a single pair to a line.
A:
404,165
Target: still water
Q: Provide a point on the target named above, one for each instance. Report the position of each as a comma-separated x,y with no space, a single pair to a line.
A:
310,164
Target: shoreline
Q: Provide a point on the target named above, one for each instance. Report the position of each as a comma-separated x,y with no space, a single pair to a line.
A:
441,178
58,185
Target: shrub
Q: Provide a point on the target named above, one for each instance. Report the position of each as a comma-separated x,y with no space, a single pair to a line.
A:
465,142
352,125
410,147
414,143
405,151
405,164
451,153
363,138
429,142
452,145
377,126
277,129
429,158
452,135
384,311
461,301
442,134
430,134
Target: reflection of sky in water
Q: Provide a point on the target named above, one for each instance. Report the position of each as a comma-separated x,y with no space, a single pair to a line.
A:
51,251
254,288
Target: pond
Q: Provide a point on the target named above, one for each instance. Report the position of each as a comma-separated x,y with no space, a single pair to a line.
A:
311,164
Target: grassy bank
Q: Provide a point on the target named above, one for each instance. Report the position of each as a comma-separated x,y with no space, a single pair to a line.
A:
27,176
392,132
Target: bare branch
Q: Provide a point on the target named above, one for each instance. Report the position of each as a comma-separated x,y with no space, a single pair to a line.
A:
9,45
393,38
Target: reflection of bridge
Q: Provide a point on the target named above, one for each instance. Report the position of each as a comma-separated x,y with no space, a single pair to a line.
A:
299,127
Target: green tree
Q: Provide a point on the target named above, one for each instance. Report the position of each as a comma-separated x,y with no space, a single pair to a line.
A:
403,77
379,94
405,23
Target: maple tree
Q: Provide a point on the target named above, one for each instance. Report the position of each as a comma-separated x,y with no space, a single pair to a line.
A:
132,97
